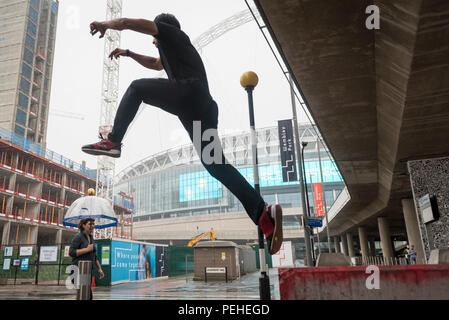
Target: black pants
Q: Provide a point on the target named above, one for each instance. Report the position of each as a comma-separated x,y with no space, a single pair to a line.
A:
190,101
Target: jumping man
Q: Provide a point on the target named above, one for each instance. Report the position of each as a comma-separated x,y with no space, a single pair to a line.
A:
185,94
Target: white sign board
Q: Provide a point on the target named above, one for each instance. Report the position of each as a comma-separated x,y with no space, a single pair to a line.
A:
284,257
48,254
8,251
7,264
215,270
26,251
427,214
66,251
425,205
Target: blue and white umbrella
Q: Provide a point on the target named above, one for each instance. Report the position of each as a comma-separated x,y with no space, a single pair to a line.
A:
91,207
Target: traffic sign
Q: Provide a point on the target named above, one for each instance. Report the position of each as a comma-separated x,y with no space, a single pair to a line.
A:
315,222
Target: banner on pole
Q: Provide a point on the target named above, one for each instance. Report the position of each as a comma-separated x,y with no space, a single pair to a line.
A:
319,205
287,146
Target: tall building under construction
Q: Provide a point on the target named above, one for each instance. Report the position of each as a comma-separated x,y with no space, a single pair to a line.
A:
27,45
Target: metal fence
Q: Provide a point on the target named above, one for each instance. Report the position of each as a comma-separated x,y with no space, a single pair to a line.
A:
34,264
180,261
384,261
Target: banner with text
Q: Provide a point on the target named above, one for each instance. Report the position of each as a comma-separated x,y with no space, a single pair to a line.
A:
287,146
319,204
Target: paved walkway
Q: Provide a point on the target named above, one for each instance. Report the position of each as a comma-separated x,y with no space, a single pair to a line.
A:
247,288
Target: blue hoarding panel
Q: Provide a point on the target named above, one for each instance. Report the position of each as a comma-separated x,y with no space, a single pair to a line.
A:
132,261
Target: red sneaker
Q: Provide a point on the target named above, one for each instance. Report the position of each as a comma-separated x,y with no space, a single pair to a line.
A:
104,148
271,224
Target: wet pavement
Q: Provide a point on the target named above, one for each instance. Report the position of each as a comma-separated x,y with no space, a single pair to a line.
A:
177,288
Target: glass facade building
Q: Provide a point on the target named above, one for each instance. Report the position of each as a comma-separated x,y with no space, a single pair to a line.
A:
175,184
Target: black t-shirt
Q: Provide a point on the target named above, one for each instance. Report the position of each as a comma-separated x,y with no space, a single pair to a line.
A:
179,57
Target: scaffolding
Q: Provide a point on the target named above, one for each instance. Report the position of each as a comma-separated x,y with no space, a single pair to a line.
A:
35,194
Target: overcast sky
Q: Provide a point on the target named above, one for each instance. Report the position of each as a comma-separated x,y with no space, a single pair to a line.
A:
77,77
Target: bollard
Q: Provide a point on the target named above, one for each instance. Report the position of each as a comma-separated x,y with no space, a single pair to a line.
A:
85,271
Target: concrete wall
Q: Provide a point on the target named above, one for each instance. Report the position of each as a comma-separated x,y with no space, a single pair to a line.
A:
349,283
432,177
227,226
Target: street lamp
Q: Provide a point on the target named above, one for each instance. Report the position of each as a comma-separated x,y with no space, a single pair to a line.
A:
249,81
304,145
308,255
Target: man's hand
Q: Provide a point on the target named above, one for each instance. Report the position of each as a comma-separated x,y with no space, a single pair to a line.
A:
101,273
96,27
90,247
117,53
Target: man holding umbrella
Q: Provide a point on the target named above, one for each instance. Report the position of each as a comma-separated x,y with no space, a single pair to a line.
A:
82,247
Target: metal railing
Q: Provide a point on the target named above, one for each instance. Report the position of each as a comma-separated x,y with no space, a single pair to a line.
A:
384,261
43,152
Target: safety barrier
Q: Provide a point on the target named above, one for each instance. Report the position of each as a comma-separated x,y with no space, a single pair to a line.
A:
365,282
43,152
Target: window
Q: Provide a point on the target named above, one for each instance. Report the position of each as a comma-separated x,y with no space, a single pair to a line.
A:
21,117
33,14
31,28
26,71
23,101
20,131
29,42
54,7
35,3
25,85
28,56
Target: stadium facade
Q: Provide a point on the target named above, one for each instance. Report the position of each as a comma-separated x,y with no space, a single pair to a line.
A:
173,184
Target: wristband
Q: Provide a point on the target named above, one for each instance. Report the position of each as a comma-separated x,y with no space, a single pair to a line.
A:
127,52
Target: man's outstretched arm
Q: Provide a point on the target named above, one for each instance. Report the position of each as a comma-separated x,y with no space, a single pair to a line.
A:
138,25
146,61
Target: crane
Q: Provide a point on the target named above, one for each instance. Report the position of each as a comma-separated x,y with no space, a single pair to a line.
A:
210,234
65,114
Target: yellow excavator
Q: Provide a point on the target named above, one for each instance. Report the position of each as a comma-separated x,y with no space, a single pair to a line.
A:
210,234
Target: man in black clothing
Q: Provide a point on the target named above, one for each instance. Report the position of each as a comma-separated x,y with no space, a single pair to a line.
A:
82,247
185,94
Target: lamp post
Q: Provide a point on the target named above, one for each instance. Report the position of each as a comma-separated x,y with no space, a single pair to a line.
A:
324,195
308,255
307,211
311,175
249,81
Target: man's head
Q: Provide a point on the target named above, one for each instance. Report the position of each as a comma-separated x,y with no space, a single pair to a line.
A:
168,19
412,246
87,225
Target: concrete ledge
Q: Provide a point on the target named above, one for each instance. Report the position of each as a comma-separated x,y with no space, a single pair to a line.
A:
333,260
417,282
439,256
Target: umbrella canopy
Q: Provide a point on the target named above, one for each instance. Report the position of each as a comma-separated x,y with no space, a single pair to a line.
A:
91,207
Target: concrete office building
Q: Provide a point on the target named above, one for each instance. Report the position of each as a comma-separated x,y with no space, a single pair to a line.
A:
27,43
